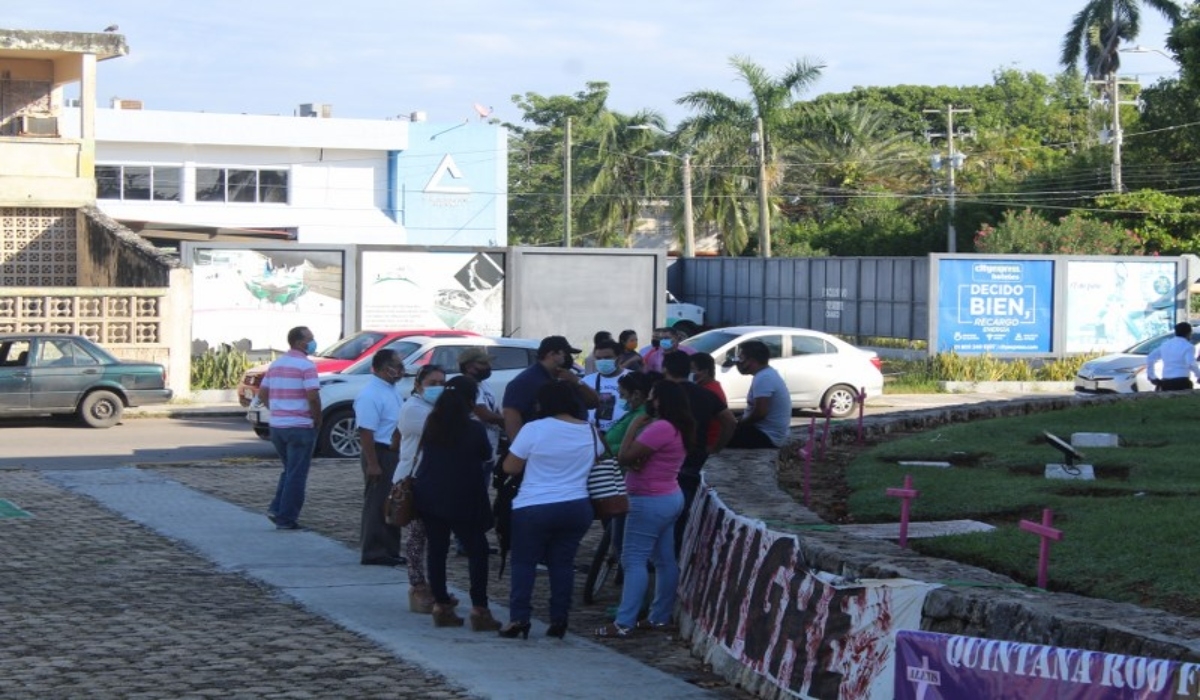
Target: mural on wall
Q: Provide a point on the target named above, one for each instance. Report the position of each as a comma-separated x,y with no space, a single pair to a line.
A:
434,290
1113,304
258,295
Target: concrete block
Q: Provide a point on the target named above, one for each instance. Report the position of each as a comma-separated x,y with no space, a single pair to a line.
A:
1095,440
1079,472
939,465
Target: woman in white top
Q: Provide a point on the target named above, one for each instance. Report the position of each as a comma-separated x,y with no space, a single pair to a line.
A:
552,512
427,386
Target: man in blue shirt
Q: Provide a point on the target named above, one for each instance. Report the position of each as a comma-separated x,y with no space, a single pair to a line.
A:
768,413
377,411
554,362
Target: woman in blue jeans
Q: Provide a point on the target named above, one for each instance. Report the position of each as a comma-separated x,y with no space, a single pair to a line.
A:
551,512
653,450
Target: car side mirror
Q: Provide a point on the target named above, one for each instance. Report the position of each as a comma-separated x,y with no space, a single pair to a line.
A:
729,362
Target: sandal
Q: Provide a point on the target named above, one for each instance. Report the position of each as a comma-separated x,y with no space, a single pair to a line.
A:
613,630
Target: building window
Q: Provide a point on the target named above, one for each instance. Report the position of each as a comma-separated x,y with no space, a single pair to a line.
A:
241,185
138,182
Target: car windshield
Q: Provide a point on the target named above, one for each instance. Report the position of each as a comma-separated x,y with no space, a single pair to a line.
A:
403,349
1150,345
710,341
353,347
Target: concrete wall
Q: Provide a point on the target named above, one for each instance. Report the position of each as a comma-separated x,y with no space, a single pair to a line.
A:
111,256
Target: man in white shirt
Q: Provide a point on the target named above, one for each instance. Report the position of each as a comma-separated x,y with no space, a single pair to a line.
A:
604,382
377,412
1178,357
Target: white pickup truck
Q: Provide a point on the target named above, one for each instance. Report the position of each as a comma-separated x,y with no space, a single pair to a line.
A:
688,318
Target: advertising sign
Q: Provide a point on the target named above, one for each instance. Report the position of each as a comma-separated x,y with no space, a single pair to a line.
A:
995,306
242,294
1112,305
931,666
434,290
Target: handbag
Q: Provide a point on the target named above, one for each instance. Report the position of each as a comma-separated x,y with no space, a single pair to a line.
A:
606,487
400,509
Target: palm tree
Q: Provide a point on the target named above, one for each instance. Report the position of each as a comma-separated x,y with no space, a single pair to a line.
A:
1098,29
719,134
620,178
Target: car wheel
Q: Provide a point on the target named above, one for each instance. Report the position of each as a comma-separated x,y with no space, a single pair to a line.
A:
339,435
840,400
101,409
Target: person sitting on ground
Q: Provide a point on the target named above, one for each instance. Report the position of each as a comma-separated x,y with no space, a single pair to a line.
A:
768,413
1178,358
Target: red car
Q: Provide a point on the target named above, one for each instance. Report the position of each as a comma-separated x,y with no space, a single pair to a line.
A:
344,353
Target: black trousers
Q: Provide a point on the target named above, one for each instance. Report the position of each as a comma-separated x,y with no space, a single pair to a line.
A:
379,540
475,538
749,437
1176,384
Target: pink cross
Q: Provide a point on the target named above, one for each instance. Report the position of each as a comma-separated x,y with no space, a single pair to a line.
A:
1047,533
905,495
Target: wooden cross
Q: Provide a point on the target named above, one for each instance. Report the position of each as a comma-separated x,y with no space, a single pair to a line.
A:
905,495
1047,533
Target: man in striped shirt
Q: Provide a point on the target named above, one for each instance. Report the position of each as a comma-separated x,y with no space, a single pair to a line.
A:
290,389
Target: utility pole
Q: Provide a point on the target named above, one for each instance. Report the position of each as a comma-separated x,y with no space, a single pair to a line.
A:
955,162
567,185
764,216
1112,84
689,226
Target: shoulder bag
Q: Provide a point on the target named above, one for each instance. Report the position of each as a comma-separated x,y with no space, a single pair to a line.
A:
606,486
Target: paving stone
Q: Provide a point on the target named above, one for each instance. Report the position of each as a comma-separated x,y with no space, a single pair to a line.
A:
1095,440
1078,472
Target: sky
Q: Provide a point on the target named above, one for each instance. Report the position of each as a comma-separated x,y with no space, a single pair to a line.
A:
378,59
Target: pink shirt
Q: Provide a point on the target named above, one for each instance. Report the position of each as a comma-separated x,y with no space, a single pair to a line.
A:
288,380
658,475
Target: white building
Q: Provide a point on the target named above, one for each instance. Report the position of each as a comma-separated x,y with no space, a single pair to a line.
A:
309,179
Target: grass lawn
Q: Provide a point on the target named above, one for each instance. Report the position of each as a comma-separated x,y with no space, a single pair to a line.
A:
1131,535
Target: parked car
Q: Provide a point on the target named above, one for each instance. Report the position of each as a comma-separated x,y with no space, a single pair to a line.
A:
688,318
340,355
820,370
1122,372
339,431
69,375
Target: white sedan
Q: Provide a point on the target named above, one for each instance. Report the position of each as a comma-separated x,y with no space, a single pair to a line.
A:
819,369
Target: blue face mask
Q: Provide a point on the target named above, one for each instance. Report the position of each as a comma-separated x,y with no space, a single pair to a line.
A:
666,344
311,348
606,366
432,393
623,405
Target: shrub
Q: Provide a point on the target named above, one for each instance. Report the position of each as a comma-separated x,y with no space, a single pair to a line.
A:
219,369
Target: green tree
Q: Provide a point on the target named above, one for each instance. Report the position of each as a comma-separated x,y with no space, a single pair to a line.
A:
1097,30
718,136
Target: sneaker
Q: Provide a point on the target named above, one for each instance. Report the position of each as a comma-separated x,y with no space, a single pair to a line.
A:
288,526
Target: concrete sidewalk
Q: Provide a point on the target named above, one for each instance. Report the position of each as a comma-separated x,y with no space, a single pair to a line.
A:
325,577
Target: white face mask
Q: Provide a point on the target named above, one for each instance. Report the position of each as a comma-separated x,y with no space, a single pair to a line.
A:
692,377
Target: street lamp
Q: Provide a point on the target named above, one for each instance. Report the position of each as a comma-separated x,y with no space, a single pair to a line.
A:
689,231
1138,48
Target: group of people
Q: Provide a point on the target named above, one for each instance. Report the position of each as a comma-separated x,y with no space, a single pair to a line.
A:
658,413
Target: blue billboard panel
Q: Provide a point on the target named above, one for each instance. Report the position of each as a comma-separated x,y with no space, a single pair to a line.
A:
994,306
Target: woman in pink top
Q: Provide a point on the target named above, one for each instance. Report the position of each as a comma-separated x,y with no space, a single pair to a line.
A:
653,451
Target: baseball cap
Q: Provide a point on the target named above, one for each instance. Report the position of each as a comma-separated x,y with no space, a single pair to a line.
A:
470,355
554,343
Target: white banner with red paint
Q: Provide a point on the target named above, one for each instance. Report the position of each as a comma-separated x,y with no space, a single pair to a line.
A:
809,633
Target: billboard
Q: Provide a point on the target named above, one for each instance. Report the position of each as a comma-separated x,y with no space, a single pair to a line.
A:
994,306
1113,304
241,294
461,290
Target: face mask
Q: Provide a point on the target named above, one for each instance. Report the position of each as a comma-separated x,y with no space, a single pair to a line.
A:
667,344
482,375
742,368
606,366
431,393
568,362
623,405
692,377
655,342
311,348
651,409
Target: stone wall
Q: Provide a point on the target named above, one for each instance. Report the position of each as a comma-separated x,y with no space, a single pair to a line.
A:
110,255
979,603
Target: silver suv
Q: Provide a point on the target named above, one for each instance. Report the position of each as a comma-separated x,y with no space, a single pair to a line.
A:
339,431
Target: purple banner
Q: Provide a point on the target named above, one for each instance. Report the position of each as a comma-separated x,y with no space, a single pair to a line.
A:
931,666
